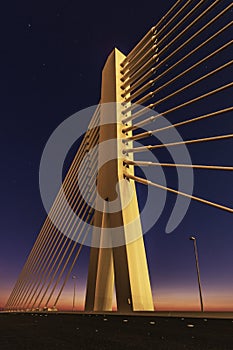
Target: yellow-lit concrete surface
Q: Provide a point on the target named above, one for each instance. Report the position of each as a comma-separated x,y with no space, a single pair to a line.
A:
126,265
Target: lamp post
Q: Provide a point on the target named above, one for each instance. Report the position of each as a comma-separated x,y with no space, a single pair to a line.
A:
198,270
74,278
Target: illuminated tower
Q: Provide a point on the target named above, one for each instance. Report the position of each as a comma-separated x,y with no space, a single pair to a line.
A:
126,265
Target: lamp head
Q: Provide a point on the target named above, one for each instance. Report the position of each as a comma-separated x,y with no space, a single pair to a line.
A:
192,238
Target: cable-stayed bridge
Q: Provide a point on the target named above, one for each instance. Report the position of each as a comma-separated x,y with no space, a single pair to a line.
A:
179,70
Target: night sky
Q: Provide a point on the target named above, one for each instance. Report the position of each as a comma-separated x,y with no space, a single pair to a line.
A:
52,54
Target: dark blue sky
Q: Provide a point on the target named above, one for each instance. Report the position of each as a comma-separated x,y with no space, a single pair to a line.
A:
52,54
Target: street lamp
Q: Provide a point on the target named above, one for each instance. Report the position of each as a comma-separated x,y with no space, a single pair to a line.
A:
198,270
74,278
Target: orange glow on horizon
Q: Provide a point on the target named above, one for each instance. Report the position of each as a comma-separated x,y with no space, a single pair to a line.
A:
164,300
